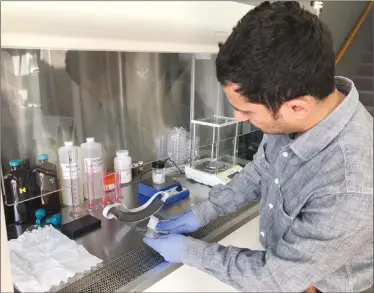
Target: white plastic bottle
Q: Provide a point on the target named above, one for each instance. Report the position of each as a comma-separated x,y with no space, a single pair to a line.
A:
70,160
123,165
93,170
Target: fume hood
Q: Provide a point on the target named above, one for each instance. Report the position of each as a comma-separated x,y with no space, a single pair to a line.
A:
156,26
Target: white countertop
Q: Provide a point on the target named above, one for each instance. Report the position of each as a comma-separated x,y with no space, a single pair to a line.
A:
246,236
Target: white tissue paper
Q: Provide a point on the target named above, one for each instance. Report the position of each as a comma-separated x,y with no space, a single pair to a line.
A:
44,258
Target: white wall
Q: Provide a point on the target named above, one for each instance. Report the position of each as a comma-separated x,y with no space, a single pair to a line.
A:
340,17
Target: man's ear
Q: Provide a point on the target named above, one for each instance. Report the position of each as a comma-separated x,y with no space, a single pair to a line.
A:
298,108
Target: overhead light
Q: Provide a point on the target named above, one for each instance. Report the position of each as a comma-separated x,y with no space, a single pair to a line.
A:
317,6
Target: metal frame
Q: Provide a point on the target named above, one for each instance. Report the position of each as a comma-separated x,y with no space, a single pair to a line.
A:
203,121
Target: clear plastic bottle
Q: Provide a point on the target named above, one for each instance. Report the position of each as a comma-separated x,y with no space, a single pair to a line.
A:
70,160
45,181
123,166
93,165
178,145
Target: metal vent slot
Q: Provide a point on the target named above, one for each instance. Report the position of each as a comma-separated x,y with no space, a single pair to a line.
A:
130,266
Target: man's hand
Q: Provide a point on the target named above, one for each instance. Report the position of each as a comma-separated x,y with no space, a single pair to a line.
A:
184,223
169,246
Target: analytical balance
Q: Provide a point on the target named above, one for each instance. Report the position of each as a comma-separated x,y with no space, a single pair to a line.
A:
217,159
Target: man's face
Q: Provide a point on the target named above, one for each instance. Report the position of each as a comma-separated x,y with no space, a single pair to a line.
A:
283,122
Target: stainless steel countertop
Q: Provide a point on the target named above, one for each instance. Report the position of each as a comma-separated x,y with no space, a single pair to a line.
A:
115,239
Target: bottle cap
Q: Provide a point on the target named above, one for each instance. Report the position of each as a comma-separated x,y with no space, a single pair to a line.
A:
15,163
68,143
158,165
90,139
40,213
122,153
42,157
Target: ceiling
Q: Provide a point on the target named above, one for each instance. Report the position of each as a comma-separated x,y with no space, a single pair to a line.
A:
173,26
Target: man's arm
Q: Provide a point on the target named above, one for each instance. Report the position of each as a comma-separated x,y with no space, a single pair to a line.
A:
329,231
243,189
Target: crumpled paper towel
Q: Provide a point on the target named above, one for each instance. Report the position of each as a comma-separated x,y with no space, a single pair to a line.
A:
45,257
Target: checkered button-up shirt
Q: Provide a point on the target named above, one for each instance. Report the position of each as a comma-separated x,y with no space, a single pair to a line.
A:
316,209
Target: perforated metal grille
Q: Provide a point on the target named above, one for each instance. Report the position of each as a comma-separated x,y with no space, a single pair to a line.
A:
117,273
130,266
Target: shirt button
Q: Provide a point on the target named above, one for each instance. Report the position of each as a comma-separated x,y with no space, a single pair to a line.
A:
285,154
270,206
262,234
276,181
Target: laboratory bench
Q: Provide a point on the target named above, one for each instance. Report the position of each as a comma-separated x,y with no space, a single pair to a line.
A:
128,263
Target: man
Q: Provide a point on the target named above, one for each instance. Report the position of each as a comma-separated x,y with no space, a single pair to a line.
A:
312,174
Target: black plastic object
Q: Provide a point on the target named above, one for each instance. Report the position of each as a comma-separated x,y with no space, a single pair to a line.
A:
158,165
249,143
179,188
80,226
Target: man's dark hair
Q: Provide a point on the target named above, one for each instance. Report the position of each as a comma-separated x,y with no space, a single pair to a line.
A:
277,52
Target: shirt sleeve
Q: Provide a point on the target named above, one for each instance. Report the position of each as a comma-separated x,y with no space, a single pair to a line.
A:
243,189
328,232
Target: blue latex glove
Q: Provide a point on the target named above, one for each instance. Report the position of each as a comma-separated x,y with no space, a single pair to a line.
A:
169,246
184,223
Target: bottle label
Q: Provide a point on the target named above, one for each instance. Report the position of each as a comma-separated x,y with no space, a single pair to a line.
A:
125,176
22,190
109,187
70,171
93,165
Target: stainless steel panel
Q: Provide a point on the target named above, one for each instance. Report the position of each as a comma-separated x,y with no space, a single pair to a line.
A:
129,265
127,272
123,99
126,100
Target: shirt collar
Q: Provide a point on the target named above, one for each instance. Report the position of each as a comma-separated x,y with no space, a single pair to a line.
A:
317,138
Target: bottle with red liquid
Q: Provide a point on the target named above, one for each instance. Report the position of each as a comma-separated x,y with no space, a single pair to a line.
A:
110,192
93,169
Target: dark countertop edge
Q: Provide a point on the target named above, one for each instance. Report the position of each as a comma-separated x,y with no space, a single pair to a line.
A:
150,278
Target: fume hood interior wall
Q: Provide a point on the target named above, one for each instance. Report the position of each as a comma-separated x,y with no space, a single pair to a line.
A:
126,100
